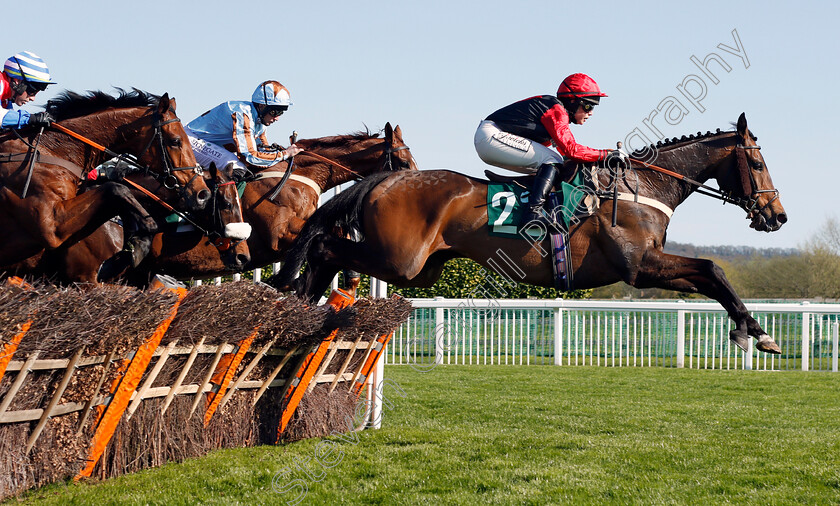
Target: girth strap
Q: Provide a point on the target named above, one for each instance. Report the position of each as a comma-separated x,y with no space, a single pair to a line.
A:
294,177
40,158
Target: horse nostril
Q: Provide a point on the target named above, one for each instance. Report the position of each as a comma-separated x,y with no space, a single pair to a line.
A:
203,196
782,218
243,259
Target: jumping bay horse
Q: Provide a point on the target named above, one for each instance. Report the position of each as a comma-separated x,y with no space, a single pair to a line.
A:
40,173
413,222
95,258
326,162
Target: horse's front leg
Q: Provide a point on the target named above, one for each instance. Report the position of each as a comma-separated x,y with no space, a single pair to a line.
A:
697,275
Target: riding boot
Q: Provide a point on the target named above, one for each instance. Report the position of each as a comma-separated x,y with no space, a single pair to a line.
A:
134,251
543,182
351,280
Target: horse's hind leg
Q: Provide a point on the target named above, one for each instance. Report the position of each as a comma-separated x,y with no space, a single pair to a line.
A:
697,275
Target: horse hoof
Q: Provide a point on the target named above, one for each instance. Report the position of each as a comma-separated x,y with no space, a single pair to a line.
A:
766,344
741,339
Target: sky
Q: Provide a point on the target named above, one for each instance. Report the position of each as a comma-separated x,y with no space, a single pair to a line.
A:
437,68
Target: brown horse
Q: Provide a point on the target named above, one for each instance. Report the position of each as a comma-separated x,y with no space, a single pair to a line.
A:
96,258
412,223
47,169
275,222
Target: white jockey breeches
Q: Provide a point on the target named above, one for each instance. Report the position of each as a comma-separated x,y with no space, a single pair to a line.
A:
509,151
207,153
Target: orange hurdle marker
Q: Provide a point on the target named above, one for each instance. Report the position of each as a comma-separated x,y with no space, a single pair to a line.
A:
124,388
339,299
224,373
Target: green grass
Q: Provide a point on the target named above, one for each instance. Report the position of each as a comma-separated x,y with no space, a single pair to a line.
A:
541,435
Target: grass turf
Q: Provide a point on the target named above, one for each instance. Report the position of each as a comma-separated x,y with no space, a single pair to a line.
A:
536,435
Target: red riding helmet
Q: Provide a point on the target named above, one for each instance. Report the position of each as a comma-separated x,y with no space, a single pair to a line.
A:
580,86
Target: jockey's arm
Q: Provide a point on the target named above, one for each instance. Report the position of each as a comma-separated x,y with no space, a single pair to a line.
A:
556,121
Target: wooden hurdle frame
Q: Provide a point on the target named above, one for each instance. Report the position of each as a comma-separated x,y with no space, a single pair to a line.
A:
229,371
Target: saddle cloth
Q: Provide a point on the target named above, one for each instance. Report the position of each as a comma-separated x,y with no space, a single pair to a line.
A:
507,204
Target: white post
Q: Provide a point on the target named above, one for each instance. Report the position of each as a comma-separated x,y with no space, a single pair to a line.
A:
237,277
440,332
217,280
376,387
558,336
806,338
748,356
681,337
834,342
379,290
257,275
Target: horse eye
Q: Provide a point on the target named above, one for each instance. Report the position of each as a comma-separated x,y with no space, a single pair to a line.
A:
758,166
175,142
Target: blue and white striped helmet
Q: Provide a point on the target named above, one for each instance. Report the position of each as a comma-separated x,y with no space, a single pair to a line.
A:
272,93
28,67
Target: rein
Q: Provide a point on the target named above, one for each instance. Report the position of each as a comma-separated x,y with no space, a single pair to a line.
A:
388,162
747,202
701,188
134,185
285,175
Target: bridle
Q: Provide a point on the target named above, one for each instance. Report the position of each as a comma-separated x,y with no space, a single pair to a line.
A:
166,177
388,151
748,201
749,187
221,243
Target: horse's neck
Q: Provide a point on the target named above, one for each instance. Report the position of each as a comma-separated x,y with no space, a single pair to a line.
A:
362,160
696,161
101,128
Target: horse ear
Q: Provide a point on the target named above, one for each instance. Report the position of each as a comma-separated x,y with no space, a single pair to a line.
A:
213,170
389,132
164,104
742,125
398,132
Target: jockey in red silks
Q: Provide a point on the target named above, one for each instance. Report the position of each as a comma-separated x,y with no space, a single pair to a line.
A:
517,137
23,76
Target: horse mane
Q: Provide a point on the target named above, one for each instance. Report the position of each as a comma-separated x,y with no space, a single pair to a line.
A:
676,142
69,104
341,140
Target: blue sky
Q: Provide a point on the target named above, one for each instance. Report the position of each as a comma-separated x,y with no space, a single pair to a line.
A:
437,68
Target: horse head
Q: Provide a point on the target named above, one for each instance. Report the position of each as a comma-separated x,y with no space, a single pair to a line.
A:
396,154
164,146
229,231
354,156
746,176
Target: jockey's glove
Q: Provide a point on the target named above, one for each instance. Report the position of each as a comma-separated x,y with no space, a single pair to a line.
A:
616,159
117,168
41,119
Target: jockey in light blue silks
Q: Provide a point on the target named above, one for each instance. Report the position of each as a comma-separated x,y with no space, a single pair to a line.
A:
23,76
234,132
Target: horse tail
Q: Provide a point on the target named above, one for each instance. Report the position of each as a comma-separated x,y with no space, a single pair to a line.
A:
344,210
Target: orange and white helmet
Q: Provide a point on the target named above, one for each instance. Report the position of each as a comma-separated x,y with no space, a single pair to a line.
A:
272,93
